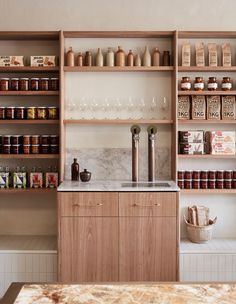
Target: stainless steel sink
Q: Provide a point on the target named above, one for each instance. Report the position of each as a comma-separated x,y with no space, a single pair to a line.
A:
145,185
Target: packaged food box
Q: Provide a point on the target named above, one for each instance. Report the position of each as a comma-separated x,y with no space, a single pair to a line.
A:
191,136
4,179
183,107
11,60
223,149
191,148
213,107
228,107
36,180
19,180
198,107
51,180
213,137
42,61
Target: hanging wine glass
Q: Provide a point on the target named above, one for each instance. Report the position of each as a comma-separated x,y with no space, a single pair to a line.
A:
164,107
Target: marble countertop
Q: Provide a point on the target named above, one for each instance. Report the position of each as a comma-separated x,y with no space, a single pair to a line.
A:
161,293
121,186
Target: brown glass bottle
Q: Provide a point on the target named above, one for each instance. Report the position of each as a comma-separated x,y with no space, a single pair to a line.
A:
75,170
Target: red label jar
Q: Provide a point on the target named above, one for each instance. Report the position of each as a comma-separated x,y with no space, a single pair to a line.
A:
6,139
212,174
15,149
6,149
196,174
211,183
204,174
181,174
188,184
188,174
228,183
220,174
16,139
228,174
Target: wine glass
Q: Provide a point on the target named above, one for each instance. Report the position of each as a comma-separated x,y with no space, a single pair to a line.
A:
164,107
130,108
153,108
71,108
141,108
117,108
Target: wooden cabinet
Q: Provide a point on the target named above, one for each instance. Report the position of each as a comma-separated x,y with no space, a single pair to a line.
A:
108,236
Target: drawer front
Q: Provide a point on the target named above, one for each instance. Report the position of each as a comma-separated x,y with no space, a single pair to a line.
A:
148,204
88,203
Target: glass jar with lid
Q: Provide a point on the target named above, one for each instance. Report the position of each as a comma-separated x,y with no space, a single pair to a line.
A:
42,113
14,84
31,113
226,84
198,84
44,84
34,84
4,84
185,84
54,84
212,84
24,84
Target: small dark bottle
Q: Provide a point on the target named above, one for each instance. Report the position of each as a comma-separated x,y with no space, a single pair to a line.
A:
75,170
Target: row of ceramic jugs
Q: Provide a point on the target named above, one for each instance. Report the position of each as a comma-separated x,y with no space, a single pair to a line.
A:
118,58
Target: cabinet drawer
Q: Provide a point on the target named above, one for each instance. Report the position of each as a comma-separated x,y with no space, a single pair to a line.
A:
88,203
147,204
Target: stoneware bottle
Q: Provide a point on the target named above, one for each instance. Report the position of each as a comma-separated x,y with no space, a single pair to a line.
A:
110,58
146,57
70,57
99,58
80,59
166,58
75,170
156,57
88,59
137,61
120,57
130,58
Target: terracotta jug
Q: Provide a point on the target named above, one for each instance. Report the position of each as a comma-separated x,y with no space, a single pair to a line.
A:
120,57
70,57
80,59
130,58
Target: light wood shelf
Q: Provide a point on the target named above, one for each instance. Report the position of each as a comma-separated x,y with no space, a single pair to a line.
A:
206,93
29,156
207,69
28,190
118,34
29,35
29,69
204,121
208,191
119,69
206,156
207,34
116,121
29,122
29,93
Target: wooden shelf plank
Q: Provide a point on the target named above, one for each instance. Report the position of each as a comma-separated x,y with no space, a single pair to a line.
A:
29,93
29,35
28,69
206,34
29,156
208,191
116,121
118,34
206,156
207,92
28,190
119,69
29,122
204,121
207,69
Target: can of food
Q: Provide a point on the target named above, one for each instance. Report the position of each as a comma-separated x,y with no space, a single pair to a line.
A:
234,174
4,84
45,139
212,174
26,149
42,112
53,113
234,183
54,149
35,139
188,184
220,174
6,149
10,112
44,84
26,140
35,149
204,174
211,183
20,113
45,149
31,113
188,174
15,149
204,183
34,84
196,184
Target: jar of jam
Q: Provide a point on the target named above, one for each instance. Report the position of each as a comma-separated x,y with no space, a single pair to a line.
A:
24,84
15,149
20,113
234,174
196,174
198,84
181,174
226,84
211,183
26,139
31,113
6,149
196,183
220,174
188,174
212,174
220,184
2,112
10,113
44,84
45,139
42,112
212,84
228,174
14,84
204,183
16,139
54,149
185,84
204,174
234,183
35,139
228,183
54,84
45,149
26,149
188,184
53,113
34,84
181,183
35,149
54,140
4,84
6,139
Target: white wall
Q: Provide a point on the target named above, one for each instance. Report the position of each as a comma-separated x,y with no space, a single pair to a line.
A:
117,15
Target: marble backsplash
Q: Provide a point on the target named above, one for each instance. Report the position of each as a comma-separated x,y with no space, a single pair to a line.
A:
116,163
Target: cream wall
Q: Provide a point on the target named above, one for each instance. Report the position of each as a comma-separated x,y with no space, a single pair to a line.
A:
117,15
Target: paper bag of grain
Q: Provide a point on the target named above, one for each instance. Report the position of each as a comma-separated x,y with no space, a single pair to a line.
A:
183,107
213,107
212,54
198,107
226,55
200,56
228,107
186,54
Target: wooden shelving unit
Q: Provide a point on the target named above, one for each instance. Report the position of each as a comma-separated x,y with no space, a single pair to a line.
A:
206,156
29,93
204,121
218,69
116,121
208,191
29,69
119,69
29,156
207,93
29,122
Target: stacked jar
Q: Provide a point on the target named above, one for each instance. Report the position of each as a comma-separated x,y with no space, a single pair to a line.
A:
212,84
26,84
20,113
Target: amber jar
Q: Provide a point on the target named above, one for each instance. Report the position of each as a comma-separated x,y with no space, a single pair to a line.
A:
220,174
44,84
181,183
34,84
14,84
42,113
45,139
26,139
226,84
211,183
16,139
188,174
88,60
31,113
204,174
54,139
4,84
35,149
196,184
20,113
45,149
212,84
204,183
181,174
10,113
6,149
220,184
26,149
15,149
53,113
24,84
188,184
54,84
54,149
228,174
6,139
196,174
185,84
198,84
212,174
35,139
228,183
2,112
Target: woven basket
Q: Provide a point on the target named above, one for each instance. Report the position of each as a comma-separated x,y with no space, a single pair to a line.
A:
200,234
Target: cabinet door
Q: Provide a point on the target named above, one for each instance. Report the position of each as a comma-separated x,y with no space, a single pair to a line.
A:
88,249
147,249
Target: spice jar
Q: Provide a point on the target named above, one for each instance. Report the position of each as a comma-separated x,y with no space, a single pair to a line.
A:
45,149
6,139
53,113
42,112
54,149
35,139
34,84
88,59
185,84
24,84
212,84
15,149
203,183
226,84
2,112
196,184
35,149
4,84
14,84
31,113
198,84
188,184
6,149
212,184
228,183
54,84
44,84
10,112
26,149
181,174
26,139
45,139
20,113
220,184
181,183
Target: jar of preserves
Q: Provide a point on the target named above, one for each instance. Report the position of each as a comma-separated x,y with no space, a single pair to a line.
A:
35,139
26,139
24,84
54,139
10,113
220,184
14,84
204,174
220,174
228,183
54,149
181,174
35,149
204,183
34,84
196,174
212,174
45,139
226,84
228,174
4,84
188,184
6,139
44,84
20,113
234,183
2,112
188,174
15,149
212,184
234,174
31,113
53,113
26,149
185,84
181,183
45,149
42,112
196,184
54,84
198,84
16,139
6,149
212,84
